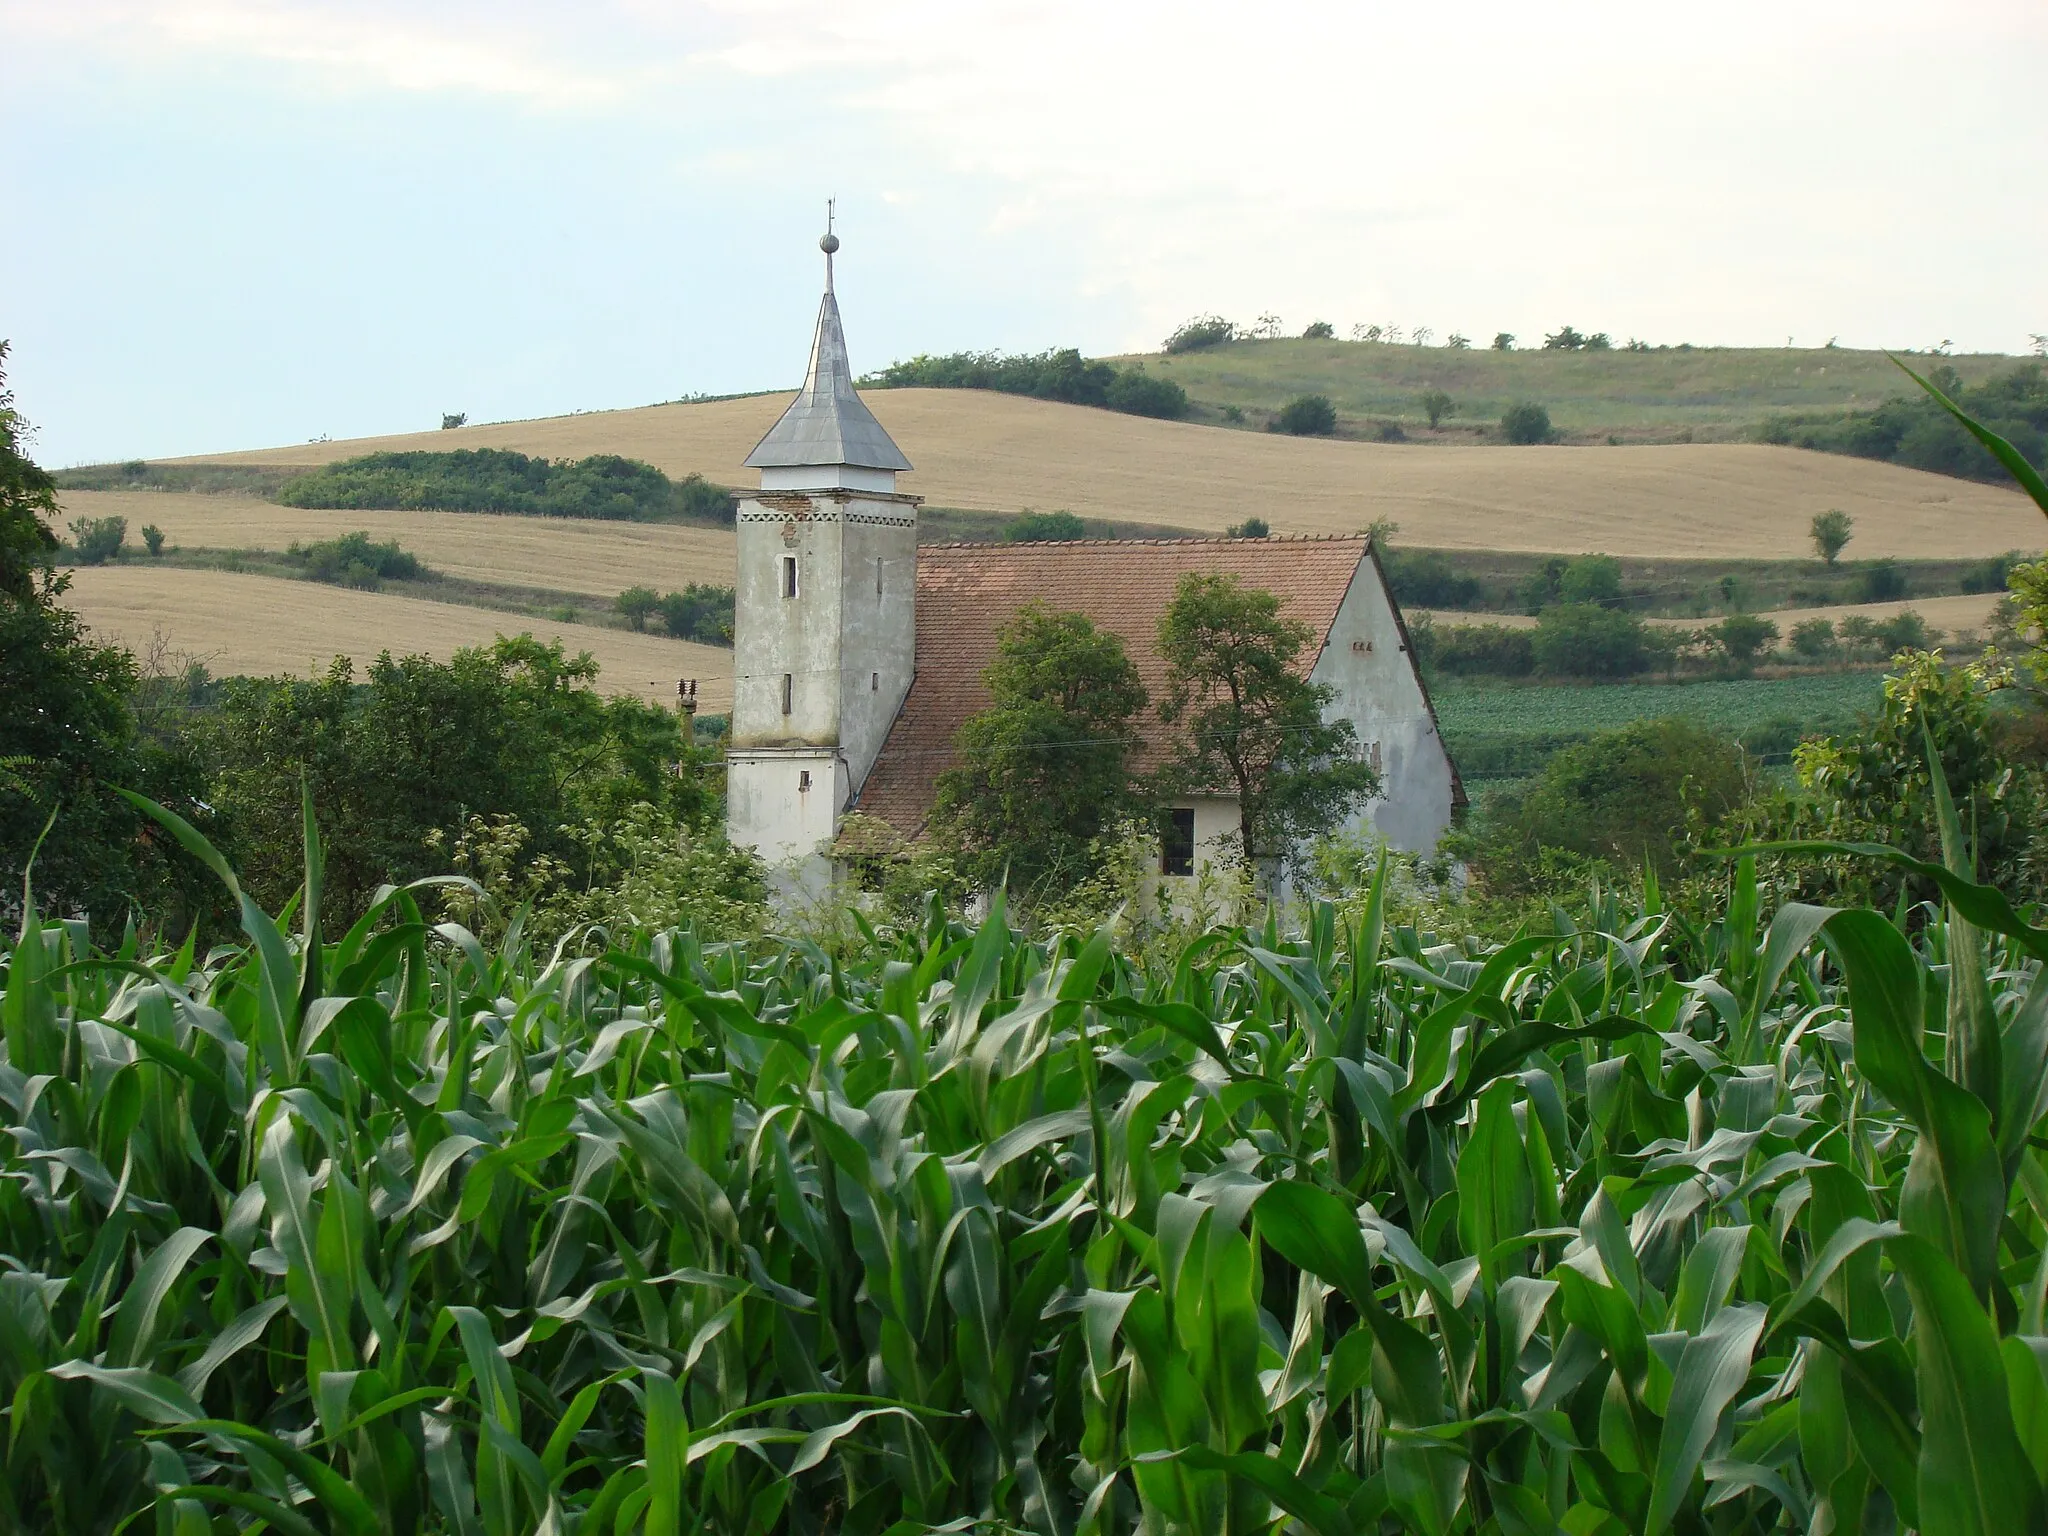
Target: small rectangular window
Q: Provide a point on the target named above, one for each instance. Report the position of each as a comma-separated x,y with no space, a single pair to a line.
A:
878,575
1177,843
874,682
788,690
789,575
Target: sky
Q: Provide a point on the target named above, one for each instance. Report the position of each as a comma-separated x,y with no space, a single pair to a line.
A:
240,223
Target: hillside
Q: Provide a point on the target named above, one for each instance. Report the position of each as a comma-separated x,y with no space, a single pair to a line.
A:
1717,394
1004,453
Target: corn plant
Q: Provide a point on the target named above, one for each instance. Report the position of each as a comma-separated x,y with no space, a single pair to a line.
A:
1647,1223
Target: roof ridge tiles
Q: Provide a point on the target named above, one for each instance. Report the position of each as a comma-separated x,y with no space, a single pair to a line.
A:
1276,538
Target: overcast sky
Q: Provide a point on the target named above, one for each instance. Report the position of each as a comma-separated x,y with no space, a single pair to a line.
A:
232,223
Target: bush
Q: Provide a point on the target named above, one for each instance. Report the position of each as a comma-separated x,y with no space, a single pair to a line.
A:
1743,637
1137,393
1585,640
1905,631
1503,341
497,480
1436,405
700,613
636,605
1920,434
1881,581
1250,528
153,539
1201,332
1831,531
1526,423
1814,640
1307,416
1473,650
1427,579
1319,330
355,560
1030,527
96,540
450,420
1993,574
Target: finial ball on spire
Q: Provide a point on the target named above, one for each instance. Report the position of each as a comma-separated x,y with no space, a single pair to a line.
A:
828,243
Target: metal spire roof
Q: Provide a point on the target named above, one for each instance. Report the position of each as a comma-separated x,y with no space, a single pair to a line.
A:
827,423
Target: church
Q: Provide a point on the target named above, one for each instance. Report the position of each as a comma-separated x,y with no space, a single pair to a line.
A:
858,654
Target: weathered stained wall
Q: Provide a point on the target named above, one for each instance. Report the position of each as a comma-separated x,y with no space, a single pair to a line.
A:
1366,664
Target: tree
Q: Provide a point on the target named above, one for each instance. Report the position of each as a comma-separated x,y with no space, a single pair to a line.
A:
1881,581
1503,341
1814,639
1525,423
1045,528
700,613
1830,532
1045,770
636,605
1307,416
1743,637
1250,528
450,420
96,540
1585,640
1251,724
1201,332
68,729
1319,330
1136,393
1564,339
153,539
1436,405
1623,796
1458,342
1591,579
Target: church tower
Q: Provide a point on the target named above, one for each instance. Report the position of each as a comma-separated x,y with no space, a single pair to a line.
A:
825,630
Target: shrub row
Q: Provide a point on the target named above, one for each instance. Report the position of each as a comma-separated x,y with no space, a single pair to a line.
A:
499,480
1061,374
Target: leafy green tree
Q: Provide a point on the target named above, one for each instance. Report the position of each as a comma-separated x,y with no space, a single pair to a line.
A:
1436,405
1201,332
699,612
1307,416
1250,723
153,540
1743,637
1319,330
1565,339
1830,532
1045,528
403,757
1591,579
1881,581
636,605
1503,341
1137,393
1525,423
96,540
1046,768
1586,640
1625,797
68,729
1250,528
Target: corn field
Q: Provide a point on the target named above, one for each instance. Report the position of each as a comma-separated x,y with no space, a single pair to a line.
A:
1640,1225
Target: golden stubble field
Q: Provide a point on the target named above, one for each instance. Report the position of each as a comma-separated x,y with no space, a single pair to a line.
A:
263,625
597,560
1002,453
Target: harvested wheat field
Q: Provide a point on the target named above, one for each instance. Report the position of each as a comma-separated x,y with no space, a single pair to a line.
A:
594,559
999,452
262,625
1970,610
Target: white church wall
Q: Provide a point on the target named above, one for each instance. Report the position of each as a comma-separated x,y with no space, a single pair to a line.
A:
1374,685
784,804
878,627
778,637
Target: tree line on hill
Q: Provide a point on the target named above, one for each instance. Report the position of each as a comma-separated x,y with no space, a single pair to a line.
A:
498,480
1919,434
1060,374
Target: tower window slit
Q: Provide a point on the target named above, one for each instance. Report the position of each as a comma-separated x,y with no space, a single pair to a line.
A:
789,576
878,575
788,690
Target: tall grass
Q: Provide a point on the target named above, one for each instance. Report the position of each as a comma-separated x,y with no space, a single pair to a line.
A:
1643,1225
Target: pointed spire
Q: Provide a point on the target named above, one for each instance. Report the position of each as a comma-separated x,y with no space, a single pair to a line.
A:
827,424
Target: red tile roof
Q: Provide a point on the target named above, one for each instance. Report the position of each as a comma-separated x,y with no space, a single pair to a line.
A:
967,593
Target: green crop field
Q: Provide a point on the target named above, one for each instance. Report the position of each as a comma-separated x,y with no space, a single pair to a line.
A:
1714,393
393,1229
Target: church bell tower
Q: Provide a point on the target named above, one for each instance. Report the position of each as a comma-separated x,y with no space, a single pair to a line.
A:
824,631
